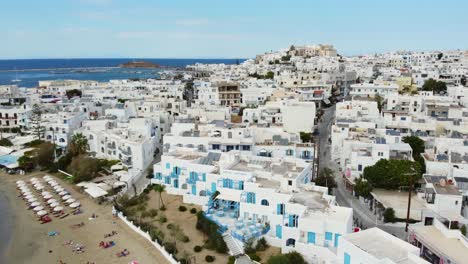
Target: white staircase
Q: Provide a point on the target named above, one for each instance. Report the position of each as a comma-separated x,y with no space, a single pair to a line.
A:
234,248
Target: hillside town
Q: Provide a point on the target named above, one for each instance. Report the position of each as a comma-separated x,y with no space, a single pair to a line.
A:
339,159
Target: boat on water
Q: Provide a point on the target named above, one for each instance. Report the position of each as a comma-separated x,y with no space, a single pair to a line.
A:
16,78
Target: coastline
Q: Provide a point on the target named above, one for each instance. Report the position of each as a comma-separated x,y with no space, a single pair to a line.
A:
29,242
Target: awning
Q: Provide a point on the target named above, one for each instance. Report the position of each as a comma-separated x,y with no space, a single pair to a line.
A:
228,197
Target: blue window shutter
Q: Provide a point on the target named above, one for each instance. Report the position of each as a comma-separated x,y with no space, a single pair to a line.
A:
329,236
347,258
168,165
279,231
290,221
213,187
204,177
278,209
194,189
337,236
311,237
176,183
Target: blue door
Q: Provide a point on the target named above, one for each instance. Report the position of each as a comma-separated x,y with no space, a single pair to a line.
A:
311,237
279,231
176,183
337,236
194,189
213,187
347,258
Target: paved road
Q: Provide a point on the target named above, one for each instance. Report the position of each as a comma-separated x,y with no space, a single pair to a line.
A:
343,197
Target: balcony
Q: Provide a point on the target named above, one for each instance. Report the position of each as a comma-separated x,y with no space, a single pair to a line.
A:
110,146
125,151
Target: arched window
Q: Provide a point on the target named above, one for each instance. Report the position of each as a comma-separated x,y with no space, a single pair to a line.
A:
49,137
290,242
61,140
265,202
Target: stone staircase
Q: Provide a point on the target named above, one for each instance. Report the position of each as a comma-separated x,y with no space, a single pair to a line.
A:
234,248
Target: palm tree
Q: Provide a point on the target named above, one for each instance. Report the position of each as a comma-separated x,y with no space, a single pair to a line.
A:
159,188
78,144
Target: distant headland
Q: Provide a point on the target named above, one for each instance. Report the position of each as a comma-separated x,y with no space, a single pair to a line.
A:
139,64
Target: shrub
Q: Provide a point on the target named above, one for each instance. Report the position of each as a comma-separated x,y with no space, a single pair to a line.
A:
289,258
389,215
153,212
170,247
163,208
231,260
182,208
193,210
185,239
209,258
162,219
5,142
463,230
261,244
215,240
170,226
254,257
197,248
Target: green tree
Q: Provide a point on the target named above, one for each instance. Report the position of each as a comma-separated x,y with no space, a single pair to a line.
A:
326,179
83,168
44,155
26,163
36,121
5,142
159,188
269,75
417,144
392,174
434,86
362,188
389,215
305,137
379,99
78,144
73,92
289,258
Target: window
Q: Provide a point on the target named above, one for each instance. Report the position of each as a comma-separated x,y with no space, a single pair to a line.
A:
279,231
280,208
403,118
293,220
347,258
329,236
359,167
290,182
311,237
289,152
251,198
380,154
264,202
168,165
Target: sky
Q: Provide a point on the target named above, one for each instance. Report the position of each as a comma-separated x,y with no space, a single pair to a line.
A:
225,29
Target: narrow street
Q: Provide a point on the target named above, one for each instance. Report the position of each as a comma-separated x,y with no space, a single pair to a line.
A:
344,197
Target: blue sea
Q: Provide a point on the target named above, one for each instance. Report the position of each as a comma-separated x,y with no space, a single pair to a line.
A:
29,72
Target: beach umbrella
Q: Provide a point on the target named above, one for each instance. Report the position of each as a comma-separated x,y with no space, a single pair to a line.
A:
75,205
70,201
47,197
34,204
58,209
39,187
41,213
47,177
51,201
53,183
45,193
54,204
33,179
26,193
29,196
32,199
19,182
66,197
24,188
58,188
38,208
63,193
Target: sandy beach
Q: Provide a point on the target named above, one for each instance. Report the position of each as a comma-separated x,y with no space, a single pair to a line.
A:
31,243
